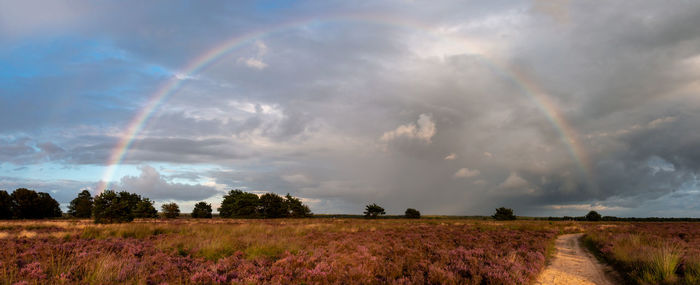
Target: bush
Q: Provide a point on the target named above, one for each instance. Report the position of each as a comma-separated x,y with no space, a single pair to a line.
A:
5,205
412,213
239,204
202,210
145,209
170,210
81,206
593,216
373,210
504,214
110,207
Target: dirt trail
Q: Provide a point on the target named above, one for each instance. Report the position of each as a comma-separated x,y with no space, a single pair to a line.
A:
574,265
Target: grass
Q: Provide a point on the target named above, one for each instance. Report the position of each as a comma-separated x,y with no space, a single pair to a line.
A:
650,253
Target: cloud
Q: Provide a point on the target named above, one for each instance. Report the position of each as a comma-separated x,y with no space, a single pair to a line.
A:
297,179
466,173
327,99
256,61
150,183
514,181
424,129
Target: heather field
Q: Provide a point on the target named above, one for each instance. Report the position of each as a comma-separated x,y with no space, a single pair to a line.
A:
650,253
286,251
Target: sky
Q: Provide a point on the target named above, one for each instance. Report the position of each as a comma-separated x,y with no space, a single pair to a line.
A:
449,107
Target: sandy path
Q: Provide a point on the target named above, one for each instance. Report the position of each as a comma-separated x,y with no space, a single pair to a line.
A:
574,265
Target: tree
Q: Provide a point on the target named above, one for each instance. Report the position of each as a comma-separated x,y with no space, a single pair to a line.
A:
412,213
295,208
272,206
5,205
28,204
110,207
144,209
239,204
24,203
202,210
593,216
170,210
81,206
373,210
504,214
48,206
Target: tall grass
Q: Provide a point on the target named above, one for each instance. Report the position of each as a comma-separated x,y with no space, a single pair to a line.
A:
651,253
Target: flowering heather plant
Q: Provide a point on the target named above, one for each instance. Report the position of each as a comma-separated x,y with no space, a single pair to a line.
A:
318,251
651,253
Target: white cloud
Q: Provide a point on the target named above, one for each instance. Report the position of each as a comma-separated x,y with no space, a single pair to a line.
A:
256,61
466,173
514,181
183,76
253,63
451,156
151,184
424,129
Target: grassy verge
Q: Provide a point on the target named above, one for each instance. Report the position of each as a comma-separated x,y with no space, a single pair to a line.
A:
646,257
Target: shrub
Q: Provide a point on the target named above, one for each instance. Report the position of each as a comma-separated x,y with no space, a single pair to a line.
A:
373,210
110,207
145,209
504,214
295,208
202,210
170,210
412,213
81,206
5,205
239,204
593,216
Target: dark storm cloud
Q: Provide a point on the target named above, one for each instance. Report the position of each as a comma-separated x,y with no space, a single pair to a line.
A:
347,112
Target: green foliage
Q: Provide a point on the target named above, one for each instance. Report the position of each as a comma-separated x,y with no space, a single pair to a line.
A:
202,210
48,206
239,204
373,210
593,216
272,206
110,207
412,213
81,206
28,204
504,214
296,209
144,209
170,210
5,205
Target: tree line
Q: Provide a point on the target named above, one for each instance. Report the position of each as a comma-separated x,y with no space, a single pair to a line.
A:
28,204
116,207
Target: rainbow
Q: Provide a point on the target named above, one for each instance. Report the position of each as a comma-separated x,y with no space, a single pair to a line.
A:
529,87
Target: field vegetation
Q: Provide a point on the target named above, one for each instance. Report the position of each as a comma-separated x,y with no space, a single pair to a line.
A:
280,251
650,253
